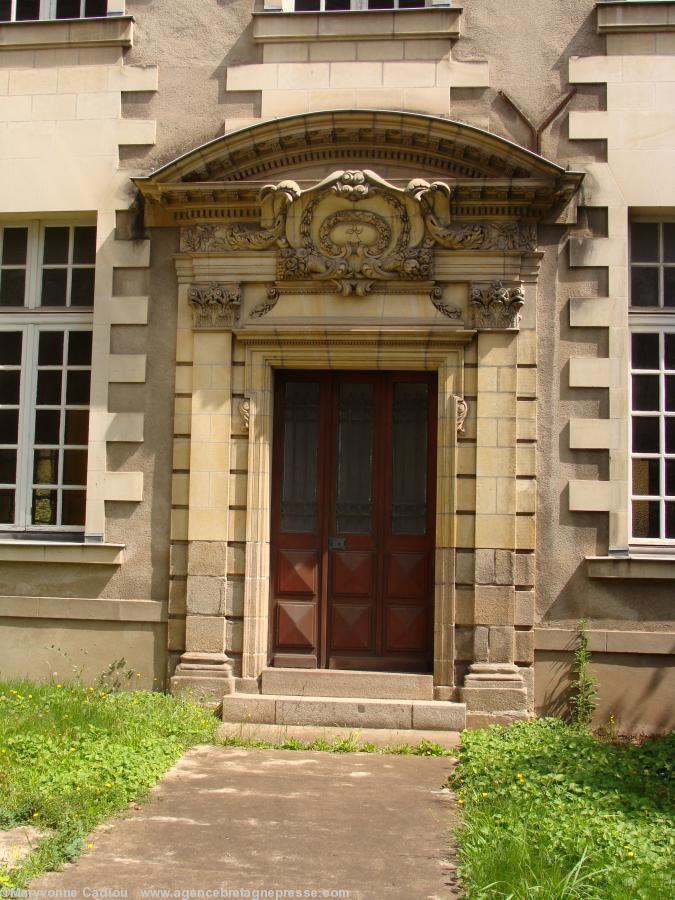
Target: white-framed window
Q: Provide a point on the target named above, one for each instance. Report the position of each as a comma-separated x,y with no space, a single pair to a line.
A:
29,10
46,295
652,381
353,5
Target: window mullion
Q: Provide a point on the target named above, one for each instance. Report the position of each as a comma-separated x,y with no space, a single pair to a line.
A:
26,426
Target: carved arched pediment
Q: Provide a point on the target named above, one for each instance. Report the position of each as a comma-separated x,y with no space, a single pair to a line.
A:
491,176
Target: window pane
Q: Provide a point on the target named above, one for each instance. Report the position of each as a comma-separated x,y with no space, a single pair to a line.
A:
644,242
12,287
5,10
10,384
646,522
645,351
670,435
645,434
96,8
646,478
67,9
10,348
73,507
46,467
337,5
47,422
354,501
669,286
27,9
54,283
6,507
670,477
307,5
77,426
9,425
669,241
646,392
82,287
644,289
56,246
49,388
670,520
77,389
300,457
380,4
84,249
7,466
51,348
670,351
670,393
14,246
44,508
79,348
74,466
409,459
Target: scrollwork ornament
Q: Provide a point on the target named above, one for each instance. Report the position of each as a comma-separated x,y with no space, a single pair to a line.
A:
245,412
462,408
263,308
446,309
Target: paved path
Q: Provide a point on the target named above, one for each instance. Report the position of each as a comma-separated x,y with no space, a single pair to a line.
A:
228,819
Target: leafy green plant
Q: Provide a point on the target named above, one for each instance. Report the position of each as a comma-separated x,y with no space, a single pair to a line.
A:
551,812
584,695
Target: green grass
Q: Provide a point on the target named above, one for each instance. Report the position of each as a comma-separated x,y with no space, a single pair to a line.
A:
72,756
552,812
349,744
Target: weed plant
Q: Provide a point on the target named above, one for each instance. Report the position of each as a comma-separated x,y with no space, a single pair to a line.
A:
552,812
72,756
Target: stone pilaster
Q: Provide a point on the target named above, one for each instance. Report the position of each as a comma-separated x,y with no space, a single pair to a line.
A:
494,689
205,667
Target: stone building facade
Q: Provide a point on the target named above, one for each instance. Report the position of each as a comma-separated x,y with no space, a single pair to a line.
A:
337,345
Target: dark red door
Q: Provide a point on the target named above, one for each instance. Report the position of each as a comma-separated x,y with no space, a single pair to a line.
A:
352,520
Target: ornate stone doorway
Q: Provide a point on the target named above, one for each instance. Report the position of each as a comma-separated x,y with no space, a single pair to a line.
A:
352,537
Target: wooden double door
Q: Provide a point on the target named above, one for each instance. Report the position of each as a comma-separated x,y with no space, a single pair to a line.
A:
354,472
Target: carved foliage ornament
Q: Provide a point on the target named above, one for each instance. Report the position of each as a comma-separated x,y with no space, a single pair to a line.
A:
214,305
496,307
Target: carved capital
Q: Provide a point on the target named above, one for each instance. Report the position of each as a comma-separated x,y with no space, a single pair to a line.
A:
214,305
495,307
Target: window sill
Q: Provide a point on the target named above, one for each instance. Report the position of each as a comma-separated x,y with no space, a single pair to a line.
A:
648,566
625,16
354,25
115,31
61,552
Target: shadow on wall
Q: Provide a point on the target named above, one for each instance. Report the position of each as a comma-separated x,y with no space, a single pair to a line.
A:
637,690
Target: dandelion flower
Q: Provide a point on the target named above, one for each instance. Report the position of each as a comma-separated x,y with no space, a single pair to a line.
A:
630,854
90,846
58,685
484,794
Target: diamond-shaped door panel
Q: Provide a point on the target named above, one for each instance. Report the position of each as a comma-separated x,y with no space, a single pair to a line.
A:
295,625
352,573
407,575
406,628
297,571
351,627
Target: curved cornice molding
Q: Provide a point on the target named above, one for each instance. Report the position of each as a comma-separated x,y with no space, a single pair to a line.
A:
487,171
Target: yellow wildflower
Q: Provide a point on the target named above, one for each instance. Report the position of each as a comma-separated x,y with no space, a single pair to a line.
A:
630,854
58,685
483,794
90,846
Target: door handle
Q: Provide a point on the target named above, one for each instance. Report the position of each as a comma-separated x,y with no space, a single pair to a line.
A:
337,543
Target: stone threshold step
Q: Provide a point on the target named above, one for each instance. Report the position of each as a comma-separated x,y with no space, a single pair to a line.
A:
347,683
352,712
380,737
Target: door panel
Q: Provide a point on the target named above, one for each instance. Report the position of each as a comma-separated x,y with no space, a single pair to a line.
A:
352,520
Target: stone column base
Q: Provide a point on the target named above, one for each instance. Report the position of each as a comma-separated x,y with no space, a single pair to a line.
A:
494,693
207,677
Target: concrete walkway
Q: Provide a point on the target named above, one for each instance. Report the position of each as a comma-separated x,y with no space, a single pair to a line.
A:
239,823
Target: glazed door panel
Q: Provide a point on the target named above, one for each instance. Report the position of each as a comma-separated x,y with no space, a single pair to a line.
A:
352,524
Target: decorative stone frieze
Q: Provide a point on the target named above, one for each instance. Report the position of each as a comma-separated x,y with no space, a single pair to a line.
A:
484,236
215,305
495,307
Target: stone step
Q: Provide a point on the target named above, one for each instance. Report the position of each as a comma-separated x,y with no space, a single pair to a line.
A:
344,712
346,683
380,737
